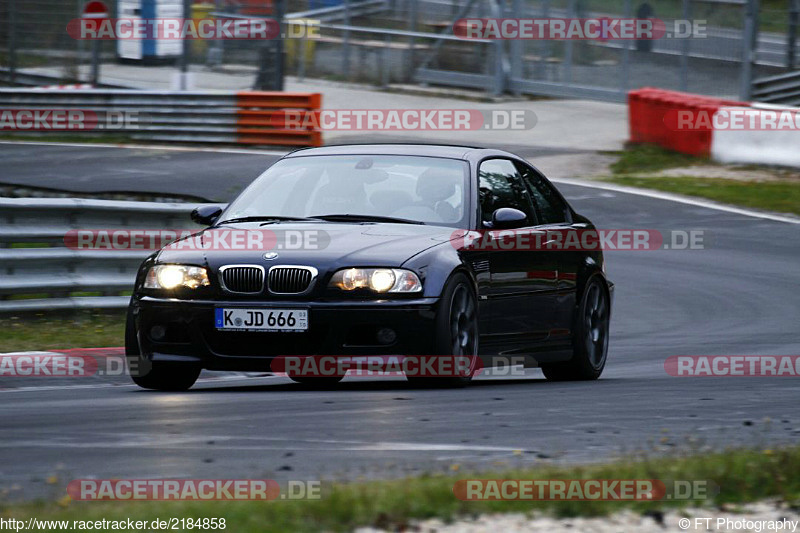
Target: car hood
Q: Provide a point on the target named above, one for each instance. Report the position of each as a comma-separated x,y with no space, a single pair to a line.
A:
326,246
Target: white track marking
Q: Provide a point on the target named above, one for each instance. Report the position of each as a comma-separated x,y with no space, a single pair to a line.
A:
680,199
200,381
251,443
150,147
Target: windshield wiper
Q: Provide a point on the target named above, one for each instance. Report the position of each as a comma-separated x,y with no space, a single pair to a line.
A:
264,218
365,218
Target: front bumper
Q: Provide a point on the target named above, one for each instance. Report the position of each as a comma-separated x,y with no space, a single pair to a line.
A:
335,328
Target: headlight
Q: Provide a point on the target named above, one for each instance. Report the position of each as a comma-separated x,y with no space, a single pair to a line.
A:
173,276
382,280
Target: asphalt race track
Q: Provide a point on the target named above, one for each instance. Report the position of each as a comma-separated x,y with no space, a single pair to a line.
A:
736,297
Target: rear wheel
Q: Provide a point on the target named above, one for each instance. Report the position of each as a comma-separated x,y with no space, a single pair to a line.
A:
154,375
456,331
590,338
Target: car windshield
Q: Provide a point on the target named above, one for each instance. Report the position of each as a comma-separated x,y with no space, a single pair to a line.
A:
429,190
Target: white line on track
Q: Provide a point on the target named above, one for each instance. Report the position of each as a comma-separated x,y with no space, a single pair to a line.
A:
211,381
252,443
680,199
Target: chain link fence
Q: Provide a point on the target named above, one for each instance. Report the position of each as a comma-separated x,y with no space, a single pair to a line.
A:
713,47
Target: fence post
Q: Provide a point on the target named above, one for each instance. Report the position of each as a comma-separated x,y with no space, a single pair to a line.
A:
501,66
184,83
412,42
346,42
685,51
516,46
12,41
794,15
568,51
624,81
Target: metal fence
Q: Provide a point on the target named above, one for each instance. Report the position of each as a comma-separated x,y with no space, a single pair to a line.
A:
39,272
411,41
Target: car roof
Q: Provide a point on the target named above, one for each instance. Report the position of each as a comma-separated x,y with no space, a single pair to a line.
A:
429,150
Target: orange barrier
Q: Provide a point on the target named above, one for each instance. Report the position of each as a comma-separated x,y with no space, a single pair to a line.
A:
277,118
653,116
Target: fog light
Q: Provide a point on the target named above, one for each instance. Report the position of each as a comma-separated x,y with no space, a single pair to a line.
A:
158,332
386,336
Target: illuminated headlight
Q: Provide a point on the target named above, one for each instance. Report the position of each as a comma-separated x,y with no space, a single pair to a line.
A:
173,276
382,280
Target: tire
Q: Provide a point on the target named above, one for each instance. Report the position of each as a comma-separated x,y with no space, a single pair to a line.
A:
456,330
590,340
173,377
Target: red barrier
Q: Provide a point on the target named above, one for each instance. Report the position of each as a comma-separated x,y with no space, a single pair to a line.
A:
652,118
276,118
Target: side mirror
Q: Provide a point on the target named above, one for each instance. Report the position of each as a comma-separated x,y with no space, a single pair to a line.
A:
508,218
205,215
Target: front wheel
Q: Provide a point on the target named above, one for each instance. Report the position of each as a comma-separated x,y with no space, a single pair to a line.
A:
590,338
154,375
456,331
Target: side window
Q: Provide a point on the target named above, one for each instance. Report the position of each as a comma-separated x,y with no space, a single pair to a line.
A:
501,186
551,208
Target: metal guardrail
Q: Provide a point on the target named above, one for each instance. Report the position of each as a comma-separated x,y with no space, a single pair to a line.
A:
18,78
39,272
780,89
228,117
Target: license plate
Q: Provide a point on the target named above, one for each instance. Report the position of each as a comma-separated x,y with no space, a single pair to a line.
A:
238,319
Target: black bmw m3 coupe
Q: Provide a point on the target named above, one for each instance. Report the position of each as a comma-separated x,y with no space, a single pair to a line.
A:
375,250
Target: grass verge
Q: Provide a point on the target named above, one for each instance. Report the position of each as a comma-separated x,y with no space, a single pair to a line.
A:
770,196
53,331
640,165
742,476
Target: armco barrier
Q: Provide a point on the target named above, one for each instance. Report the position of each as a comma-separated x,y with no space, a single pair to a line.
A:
651,112
38,272
203,117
